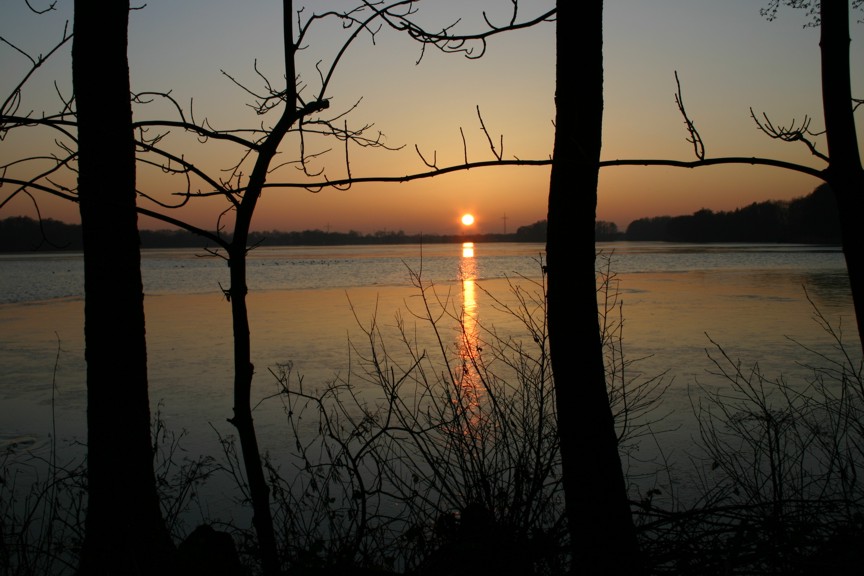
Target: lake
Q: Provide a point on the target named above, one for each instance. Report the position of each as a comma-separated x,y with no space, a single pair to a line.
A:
308,303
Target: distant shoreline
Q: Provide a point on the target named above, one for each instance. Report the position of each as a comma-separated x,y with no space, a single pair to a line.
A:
479,238
812,219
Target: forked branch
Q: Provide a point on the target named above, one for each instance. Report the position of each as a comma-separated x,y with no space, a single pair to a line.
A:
434,164
51,6
694,137
472,45
10,105
791,133
498,153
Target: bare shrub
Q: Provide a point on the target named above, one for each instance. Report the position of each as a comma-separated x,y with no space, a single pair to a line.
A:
440,446
781,489
43,500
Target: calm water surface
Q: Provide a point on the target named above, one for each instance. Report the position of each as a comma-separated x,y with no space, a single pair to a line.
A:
38,277
306,304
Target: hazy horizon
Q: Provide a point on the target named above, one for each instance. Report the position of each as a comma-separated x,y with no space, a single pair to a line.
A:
511,228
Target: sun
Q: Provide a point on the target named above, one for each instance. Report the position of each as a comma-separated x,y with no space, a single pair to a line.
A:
467,219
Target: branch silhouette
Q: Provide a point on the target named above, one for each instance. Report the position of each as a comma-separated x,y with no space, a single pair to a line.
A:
792,133
752,161
472,45
695,138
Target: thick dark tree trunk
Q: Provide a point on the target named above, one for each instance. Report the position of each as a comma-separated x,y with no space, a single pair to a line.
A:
845,174
597,507
125,533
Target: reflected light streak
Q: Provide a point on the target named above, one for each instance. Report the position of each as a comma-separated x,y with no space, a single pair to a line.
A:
470,382
468,275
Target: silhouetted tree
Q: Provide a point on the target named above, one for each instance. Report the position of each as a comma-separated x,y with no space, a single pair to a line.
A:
604,230
242,195
22,234
601,528
243,369
124,529
653,228
814,218
810,6
535,232
845,173
811,218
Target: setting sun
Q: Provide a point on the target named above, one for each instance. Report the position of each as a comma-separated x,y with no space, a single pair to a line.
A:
467,219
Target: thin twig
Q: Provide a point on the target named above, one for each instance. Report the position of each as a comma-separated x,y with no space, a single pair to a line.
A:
694,137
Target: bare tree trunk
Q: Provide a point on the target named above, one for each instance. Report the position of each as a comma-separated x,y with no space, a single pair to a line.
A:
125,532
597,508
243,369
845,173
259,491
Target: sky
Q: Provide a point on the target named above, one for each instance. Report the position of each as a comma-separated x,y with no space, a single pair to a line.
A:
729,59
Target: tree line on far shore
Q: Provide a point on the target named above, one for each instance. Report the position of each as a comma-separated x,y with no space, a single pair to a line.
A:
811,219
808,219
24,234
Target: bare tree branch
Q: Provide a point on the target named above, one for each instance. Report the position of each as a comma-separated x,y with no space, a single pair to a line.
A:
731,160
25,185
792,133
497,153
360,27
206,133
752,161
472,45
434,163
10,105
59,122
50,7
695,139
215,238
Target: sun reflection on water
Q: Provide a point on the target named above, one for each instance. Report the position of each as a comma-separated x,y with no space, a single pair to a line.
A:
469,380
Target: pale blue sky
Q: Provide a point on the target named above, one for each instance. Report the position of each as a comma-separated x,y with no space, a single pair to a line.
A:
728,57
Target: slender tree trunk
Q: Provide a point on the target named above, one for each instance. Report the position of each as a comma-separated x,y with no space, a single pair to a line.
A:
845,173
597,508
125,533
243,369
262,518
